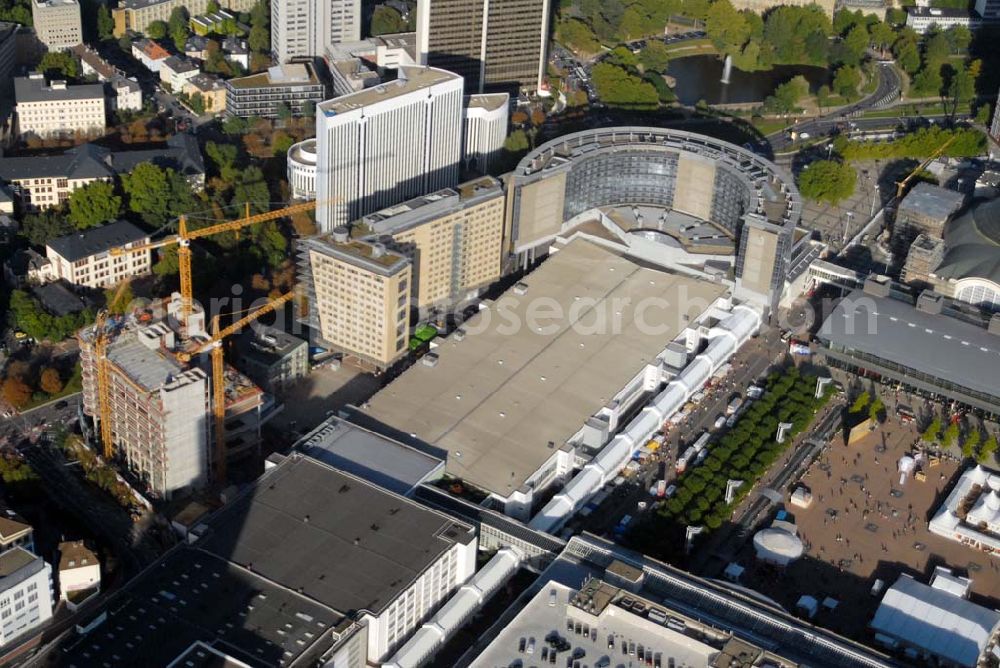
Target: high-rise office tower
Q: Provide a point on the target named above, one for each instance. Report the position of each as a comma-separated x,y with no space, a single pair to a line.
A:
386,144
494,44
304,28
485,129
762,261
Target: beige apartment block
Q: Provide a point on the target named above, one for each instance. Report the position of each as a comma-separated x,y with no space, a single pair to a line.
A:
84,259
51,110
57,23
453,237
136,15
359,297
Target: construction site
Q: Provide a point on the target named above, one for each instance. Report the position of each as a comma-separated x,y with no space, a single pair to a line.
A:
148,383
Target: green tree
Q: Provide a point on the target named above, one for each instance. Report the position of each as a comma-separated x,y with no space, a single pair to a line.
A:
386,20
179,27
93,204
59,63
105,24
950,435
987,450
251,188
882,35
786,96
930,434
936,50
961,89
846,81
827,181
959,38
862,402
970,442
284,111
577,36
40,228
156,30
618,88
823,96
856,42
280,143
907,53
235,125
928,82
224,157
727,28
212,6
259,39
148,189
309,109
655,57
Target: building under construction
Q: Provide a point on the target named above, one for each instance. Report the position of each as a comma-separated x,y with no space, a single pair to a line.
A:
159,398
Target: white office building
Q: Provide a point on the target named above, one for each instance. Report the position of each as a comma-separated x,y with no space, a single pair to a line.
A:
57,23
304,28
485,123
25,593
302,169
386,144
51,110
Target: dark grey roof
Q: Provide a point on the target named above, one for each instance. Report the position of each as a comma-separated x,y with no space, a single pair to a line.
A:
181,154
87,161
30,89
336,538
972,244
267,345
930,201
376,458
192,595
58,299
90,161
937,345
79,245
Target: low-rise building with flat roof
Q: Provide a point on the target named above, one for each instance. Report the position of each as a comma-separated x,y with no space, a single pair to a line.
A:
25,594
272,358
55,109
292,84
380,460
922,19
518,399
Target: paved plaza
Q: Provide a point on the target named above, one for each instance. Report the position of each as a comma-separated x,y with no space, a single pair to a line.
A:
863,525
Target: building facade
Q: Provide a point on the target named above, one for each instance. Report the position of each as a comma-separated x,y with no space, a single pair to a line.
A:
57,23
499,45
175,72
294,85
453,237
921,19
272,358
762,261
358,295
136,15
212,90
304,28
988,9
485,128
380,146
52,110
926,209
302,169
158,410
25,593
84,258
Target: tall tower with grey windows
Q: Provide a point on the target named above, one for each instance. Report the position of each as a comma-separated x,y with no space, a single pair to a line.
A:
304,28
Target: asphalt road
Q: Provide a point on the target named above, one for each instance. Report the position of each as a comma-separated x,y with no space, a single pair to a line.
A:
887,90
32,422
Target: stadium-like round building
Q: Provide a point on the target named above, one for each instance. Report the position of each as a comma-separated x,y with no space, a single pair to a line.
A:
685,188
302,169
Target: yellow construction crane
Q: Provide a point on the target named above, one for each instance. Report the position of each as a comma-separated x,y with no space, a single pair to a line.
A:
901,185
214,344
184,237
100,350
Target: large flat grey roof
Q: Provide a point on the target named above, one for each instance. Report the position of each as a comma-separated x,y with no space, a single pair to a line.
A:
503,399
937,345
376,458
96,240
191,595
31,89
339,540
932,201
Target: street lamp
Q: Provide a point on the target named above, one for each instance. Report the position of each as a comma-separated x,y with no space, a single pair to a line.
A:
874,197
847,225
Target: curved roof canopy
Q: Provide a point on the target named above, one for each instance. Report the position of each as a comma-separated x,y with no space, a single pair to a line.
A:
972,244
